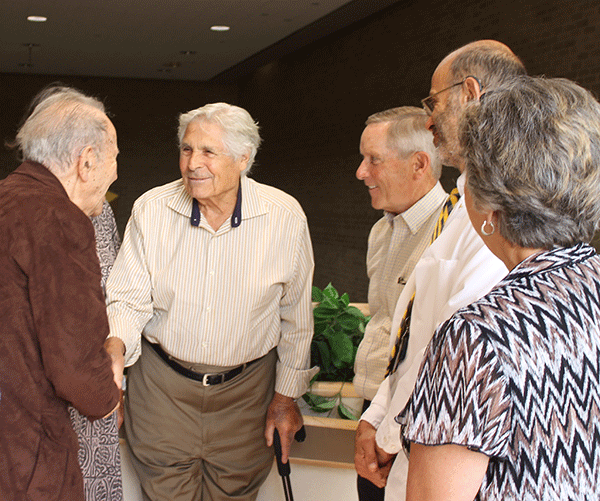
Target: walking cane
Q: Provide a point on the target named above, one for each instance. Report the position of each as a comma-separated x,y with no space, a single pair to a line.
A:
284,468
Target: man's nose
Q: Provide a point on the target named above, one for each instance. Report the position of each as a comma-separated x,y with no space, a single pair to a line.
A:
362,171
195,160
429,125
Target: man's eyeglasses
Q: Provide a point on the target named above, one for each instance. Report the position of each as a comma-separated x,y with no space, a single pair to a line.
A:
430,101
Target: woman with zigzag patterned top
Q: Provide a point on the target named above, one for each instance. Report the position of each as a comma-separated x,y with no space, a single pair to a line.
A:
507,402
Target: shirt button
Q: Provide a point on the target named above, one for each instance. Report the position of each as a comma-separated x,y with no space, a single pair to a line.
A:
212,273
208,308
204,344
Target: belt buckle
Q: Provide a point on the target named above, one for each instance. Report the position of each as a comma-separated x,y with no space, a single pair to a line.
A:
205,381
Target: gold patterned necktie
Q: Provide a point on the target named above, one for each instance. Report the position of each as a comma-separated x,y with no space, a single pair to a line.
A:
401,344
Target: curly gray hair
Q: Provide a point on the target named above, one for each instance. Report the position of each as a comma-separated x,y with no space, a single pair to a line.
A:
532,153
240,136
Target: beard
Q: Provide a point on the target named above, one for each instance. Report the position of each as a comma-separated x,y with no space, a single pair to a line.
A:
446,130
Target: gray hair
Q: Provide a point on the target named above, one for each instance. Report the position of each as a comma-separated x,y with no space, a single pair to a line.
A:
491,62
408,134
63,122
240,132
532,153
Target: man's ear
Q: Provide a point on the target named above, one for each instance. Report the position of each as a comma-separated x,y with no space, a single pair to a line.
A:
472,89
421,163
85,162
244,162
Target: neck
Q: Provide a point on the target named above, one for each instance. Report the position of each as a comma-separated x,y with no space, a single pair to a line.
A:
216,212
72,186
512,255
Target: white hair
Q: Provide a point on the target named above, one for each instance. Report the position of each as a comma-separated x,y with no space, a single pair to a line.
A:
240,132
63,122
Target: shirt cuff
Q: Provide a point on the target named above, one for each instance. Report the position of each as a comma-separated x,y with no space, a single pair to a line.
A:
293,382
388,436
133,344
374,414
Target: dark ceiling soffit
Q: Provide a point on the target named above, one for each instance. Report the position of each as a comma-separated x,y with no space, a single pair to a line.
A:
344,16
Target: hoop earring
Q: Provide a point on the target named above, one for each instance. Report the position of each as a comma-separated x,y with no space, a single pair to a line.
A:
487,233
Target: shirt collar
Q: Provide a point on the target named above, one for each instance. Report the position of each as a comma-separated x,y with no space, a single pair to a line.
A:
551,259
42,174
250,205
236,217
460,184
416,215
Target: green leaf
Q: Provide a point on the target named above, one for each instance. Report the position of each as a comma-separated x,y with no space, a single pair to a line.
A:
328,332
355,312
312,399
320,326
330,292
342,348
324,407
325,312
324,356
348,322
330,303
318,403
346,413
338,330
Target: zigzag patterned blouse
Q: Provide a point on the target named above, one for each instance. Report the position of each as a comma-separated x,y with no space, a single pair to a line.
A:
516,376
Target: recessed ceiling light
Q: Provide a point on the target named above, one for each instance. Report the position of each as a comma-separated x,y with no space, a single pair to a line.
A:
219,28
37,19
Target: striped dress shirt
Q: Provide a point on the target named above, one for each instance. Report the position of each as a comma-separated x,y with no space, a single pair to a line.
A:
220,297
396,243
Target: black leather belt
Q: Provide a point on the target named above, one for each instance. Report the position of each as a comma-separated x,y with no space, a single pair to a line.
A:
205,379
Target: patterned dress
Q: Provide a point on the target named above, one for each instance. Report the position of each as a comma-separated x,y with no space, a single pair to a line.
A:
516,376
99,454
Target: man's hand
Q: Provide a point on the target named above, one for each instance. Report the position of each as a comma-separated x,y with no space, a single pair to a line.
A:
116,349
371,462
283,414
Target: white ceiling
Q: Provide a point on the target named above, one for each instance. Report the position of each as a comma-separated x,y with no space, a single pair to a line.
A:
145,38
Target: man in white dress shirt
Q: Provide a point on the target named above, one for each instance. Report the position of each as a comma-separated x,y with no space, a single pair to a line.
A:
211,291
401,169
454,271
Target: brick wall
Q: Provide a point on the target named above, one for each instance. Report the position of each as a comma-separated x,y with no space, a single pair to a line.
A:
144,113
312,105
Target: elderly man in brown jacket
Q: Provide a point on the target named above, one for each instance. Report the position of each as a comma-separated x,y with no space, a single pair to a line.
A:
52,314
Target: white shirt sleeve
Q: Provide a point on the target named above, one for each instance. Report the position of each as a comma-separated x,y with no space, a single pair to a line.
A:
456,270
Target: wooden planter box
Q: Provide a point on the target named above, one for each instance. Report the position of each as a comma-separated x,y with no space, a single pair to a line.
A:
329,440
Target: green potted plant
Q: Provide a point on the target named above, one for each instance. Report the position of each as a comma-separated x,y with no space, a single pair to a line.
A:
339,328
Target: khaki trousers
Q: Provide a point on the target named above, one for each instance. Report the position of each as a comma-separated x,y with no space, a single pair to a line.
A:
191,442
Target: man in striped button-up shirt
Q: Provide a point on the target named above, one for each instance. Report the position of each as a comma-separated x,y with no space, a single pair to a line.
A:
214,276
401,169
